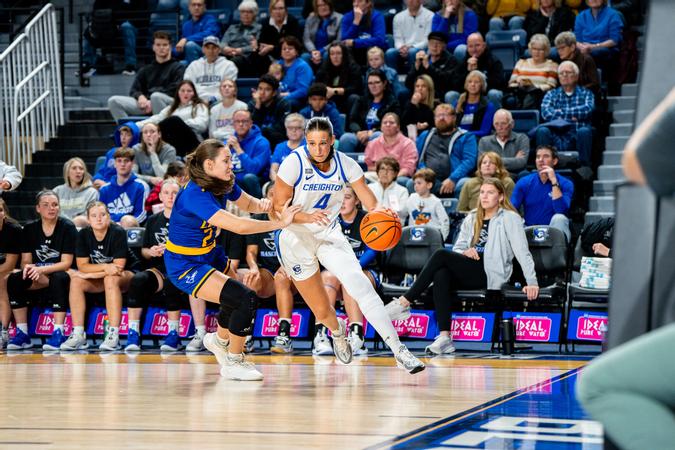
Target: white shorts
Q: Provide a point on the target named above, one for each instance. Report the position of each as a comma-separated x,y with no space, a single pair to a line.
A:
301,253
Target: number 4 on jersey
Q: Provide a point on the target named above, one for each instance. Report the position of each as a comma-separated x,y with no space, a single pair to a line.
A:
323,202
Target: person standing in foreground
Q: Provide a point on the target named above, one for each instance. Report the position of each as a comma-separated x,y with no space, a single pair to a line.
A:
194,263
314,177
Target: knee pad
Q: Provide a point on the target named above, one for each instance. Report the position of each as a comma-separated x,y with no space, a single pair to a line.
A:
59,285
16,289
142,286
173,297
242,303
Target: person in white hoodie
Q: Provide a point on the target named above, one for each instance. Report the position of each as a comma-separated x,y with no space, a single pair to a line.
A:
10,177
424,208
221,126
184,121
209,71
77,192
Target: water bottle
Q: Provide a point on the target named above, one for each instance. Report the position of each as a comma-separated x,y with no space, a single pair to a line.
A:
508,336
106,325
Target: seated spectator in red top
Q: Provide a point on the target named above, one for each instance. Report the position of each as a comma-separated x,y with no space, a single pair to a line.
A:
392,143
197,27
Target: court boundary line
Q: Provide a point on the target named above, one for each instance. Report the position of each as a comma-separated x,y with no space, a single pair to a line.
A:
407,437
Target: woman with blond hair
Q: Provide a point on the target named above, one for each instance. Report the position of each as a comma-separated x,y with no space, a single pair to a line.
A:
77,191
419,113
482,258
532,77
490,165
474,110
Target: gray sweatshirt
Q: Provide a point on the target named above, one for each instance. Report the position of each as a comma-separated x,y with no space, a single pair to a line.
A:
74,201
506,239
10,174
153,164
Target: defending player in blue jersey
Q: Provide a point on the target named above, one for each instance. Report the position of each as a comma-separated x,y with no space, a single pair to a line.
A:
196,266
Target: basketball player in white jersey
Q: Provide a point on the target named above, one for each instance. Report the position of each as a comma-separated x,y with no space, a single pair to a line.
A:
314,176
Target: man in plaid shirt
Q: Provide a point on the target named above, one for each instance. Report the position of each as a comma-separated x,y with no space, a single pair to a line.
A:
573,104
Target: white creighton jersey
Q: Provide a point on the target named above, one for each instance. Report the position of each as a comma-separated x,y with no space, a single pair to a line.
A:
316,190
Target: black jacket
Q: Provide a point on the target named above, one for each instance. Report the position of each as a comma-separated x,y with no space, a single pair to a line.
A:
156,77
350,79
356,121
478,116
414,114
443,72
489,65
270,35
561,20
271,117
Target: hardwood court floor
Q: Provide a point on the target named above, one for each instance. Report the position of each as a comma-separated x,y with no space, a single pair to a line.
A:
94,401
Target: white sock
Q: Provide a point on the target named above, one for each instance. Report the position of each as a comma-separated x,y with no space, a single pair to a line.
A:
135,325
201,330
78,330
23,327
173,325
222,342
58,327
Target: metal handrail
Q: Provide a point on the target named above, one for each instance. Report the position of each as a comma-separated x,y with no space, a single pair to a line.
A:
31,103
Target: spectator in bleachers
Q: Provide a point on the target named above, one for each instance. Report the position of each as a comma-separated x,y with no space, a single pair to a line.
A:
184,122
447,150
566,45
474,110
351,215
551,19
322,27
295,131
319,106
126,135
48,246
175,171
388,192
152,155
391,143
419,112
269,110
423,207
411,28
363,121
76,192
250,153
240,41
298,76
195,29
458,21
279,25
545,195
375,58
341,75
482,257
512,147
573,104
153,282
104,264
438,63
599,30
479,57
10,249
363,27
112,20
10,177
220,122
155,84
533,77
208,72
340,7
508,14
125,193
490,165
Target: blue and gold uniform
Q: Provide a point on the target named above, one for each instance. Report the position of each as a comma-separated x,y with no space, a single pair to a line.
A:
191,254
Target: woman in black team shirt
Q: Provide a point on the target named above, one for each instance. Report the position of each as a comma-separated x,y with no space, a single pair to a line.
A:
104,264
148,283
10,238
48,246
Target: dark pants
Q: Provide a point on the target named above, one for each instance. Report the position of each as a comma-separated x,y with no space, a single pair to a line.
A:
448,270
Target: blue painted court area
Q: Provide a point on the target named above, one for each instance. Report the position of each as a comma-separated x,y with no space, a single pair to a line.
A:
545,416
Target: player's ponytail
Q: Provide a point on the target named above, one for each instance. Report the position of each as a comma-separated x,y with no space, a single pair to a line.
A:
208,149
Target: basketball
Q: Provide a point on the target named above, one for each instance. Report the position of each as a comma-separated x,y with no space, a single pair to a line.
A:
380,230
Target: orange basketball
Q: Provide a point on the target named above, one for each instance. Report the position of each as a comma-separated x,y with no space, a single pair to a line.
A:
380,230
